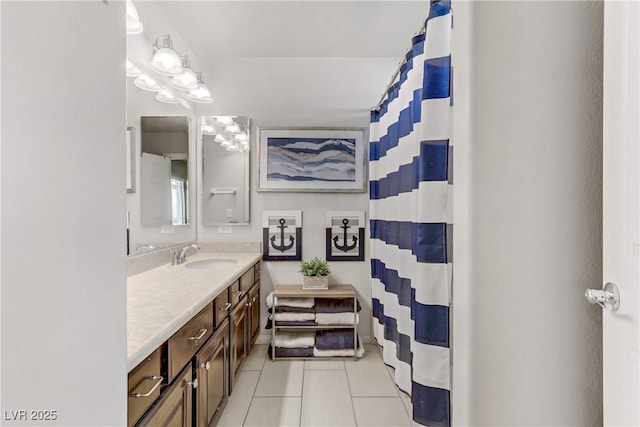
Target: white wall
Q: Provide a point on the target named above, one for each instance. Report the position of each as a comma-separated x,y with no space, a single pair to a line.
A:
535,242
63,260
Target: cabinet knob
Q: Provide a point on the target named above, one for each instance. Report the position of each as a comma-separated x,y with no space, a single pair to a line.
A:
193,383
205,365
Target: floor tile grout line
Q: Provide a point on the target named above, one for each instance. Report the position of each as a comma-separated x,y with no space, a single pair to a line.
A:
301,395
253,395
353,408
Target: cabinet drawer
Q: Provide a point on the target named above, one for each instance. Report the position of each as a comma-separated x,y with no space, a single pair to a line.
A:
221,306
175,407
235,293
247,280
143,387
184,343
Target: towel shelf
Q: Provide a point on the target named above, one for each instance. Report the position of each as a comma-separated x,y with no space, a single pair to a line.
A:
334,292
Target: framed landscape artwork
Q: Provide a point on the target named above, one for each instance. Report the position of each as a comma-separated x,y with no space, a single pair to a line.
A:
313,160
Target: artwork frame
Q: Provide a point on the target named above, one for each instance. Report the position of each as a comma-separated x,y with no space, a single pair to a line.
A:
340,244
289,248
288,160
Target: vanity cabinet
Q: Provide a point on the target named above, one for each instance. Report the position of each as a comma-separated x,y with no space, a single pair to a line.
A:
211,368
175,407
238,345
188,379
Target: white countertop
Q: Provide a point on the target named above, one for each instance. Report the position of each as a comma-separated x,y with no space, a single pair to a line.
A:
160,301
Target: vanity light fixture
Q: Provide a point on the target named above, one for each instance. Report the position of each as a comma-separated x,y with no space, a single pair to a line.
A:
145,82
165,60
132,70
208,130
232,128
223,120
188,79
221,139
201,94
134,25
240,137
166,97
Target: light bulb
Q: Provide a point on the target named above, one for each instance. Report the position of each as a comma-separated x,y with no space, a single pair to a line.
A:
185,81
224,120
234,128
132,70
145,82
166,96
134,25
201,95
166,62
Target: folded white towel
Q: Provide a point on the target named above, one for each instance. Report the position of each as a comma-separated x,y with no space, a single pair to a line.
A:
295,339
339,353
336,318
294,317
290,302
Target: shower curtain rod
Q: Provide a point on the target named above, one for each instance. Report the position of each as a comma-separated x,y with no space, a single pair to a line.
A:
395,75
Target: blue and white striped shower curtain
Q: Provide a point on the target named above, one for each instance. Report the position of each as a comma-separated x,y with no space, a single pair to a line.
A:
411,229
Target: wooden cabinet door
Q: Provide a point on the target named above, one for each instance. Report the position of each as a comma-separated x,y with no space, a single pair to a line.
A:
254,314
212,374
175,407
238,342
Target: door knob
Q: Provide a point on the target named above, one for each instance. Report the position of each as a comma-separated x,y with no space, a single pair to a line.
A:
607,297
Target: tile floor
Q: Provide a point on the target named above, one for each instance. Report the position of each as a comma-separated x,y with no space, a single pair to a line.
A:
314,393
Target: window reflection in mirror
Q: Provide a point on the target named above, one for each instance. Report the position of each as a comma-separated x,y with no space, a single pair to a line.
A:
164,171
225,175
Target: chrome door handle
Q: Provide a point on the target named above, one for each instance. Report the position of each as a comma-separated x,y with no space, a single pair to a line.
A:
156,378
203,332
193,383
226,307
607,297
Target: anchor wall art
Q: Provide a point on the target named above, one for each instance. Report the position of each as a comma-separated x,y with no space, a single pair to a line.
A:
345,236
282,235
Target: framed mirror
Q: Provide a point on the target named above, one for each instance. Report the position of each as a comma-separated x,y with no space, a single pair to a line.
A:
164,182
225,173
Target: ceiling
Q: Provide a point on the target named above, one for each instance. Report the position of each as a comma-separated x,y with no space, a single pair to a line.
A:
296,63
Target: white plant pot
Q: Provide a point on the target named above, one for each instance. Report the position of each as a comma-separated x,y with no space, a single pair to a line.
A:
315,282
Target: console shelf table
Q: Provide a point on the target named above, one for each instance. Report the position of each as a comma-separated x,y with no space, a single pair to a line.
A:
334,292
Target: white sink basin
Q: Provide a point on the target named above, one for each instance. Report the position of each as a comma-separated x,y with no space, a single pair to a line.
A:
205,264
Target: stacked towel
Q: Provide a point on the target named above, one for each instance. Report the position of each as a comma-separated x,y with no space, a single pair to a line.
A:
339,353
335,305
334,339
295,339
290,302
294,317
294,344
291,352
336,318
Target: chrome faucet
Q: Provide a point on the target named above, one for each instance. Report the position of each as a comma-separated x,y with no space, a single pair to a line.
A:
179,254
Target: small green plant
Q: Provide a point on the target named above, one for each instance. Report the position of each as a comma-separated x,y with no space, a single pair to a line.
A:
315,267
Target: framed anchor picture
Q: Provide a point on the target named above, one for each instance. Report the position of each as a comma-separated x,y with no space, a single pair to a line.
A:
282,235
345,235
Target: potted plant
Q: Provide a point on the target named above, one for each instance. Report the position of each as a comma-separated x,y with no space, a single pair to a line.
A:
315,274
